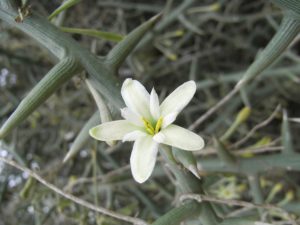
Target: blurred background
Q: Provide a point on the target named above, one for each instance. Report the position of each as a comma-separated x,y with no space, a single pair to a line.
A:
211,42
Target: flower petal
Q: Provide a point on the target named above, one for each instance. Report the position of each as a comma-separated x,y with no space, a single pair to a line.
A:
178,99
179,137
114,130
143,158
130,116
134,135
136,97
154,105
168,119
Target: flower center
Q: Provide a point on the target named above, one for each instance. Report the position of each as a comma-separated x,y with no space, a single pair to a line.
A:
150,128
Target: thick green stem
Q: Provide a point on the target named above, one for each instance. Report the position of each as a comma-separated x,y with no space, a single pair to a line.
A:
179,214
118,54
288,30
188,183
64,47
263,163
293,5
7,4
41,30
51,82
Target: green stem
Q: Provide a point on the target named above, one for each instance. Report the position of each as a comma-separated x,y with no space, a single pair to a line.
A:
94,33
288,30
245,166
7,4
224,154
118,54
51,82
255,189
286,135
60,45
41,30
293,5
83,136
176,215
64,47
188,183
64,6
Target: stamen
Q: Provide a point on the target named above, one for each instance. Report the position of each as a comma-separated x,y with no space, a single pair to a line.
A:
150,131
158,125
148,126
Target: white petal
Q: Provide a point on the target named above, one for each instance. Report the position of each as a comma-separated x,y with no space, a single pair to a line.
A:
114,130
143,158
136,97
127,114
180,137
134,135
159,137
178,99
168,119
154,105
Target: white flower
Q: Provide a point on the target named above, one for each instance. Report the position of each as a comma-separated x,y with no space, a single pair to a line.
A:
148,124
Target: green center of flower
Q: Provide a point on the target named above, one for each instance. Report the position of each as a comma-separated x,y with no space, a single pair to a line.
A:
150,128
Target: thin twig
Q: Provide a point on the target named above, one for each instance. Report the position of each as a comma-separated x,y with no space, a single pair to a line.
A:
258,126
73,198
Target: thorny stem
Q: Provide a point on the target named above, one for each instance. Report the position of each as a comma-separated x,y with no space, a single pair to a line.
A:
102,70
188,183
